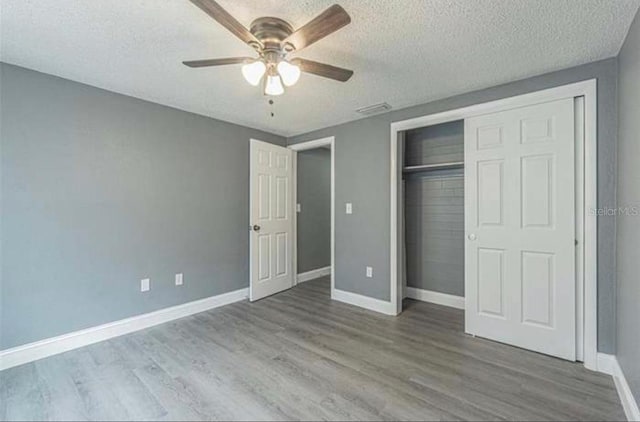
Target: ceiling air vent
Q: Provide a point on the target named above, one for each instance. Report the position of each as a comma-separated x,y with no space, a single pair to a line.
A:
374,109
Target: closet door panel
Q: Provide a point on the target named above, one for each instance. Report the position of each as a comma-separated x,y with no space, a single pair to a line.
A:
520,227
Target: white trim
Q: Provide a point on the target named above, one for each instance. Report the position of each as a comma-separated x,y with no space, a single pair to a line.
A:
396,179
629,403
333,215
304,146
590,236
586,89
316,143
313,274
579,215
55,345
436,297
294,213
366,302
608,364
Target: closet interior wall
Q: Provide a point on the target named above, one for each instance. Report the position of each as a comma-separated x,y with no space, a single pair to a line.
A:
434,208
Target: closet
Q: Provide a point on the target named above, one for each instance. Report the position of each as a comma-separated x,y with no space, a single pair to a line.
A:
491,215
433,174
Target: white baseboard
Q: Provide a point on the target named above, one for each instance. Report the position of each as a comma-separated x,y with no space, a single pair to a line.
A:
54,345
608,364
317,273
435,297
366,302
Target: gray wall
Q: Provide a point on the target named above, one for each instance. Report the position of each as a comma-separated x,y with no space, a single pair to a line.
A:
434,210
443,143
314,220
434,236
100,190
628,241
362,177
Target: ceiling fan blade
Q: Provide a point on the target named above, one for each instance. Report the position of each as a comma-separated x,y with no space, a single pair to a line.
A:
322,25
217,62
324,70
213,9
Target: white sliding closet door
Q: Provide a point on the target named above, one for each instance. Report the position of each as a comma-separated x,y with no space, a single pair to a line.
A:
520,228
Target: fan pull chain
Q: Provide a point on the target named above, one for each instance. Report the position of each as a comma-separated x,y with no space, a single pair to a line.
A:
271,112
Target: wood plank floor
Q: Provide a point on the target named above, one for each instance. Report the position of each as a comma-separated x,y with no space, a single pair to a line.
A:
299,355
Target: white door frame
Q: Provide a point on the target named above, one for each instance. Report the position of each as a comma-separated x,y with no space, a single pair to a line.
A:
304,146
589,271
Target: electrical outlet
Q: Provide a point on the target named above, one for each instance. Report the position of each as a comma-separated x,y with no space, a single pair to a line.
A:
145,285
369,272
179,279
298,207
349,208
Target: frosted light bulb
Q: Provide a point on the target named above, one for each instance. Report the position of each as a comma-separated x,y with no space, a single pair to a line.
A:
253,72
289,73
273,85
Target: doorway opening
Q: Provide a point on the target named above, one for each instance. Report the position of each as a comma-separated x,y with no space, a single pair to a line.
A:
314,211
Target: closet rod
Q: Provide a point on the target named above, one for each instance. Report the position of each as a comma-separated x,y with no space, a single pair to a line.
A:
437,176
432,167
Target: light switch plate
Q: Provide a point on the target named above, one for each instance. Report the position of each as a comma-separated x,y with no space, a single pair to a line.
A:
349,208
298,207
369,272
179,279
145,285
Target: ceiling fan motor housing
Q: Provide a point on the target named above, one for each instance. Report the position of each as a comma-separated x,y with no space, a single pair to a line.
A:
272,32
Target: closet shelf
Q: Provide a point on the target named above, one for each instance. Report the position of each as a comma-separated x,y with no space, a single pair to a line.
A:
431,167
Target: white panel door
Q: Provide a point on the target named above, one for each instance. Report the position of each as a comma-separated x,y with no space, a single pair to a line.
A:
520,227
271,222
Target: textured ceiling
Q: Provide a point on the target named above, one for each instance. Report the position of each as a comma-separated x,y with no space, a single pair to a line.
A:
404,52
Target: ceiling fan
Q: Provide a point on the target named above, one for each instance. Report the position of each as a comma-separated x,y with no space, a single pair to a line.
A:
273,39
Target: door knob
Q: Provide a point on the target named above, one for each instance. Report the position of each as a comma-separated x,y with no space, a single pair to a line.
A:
472,236
256,228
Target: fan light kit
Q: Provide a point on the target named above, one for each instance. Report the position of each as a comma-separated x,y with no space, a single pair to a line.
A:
282,73
274,39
